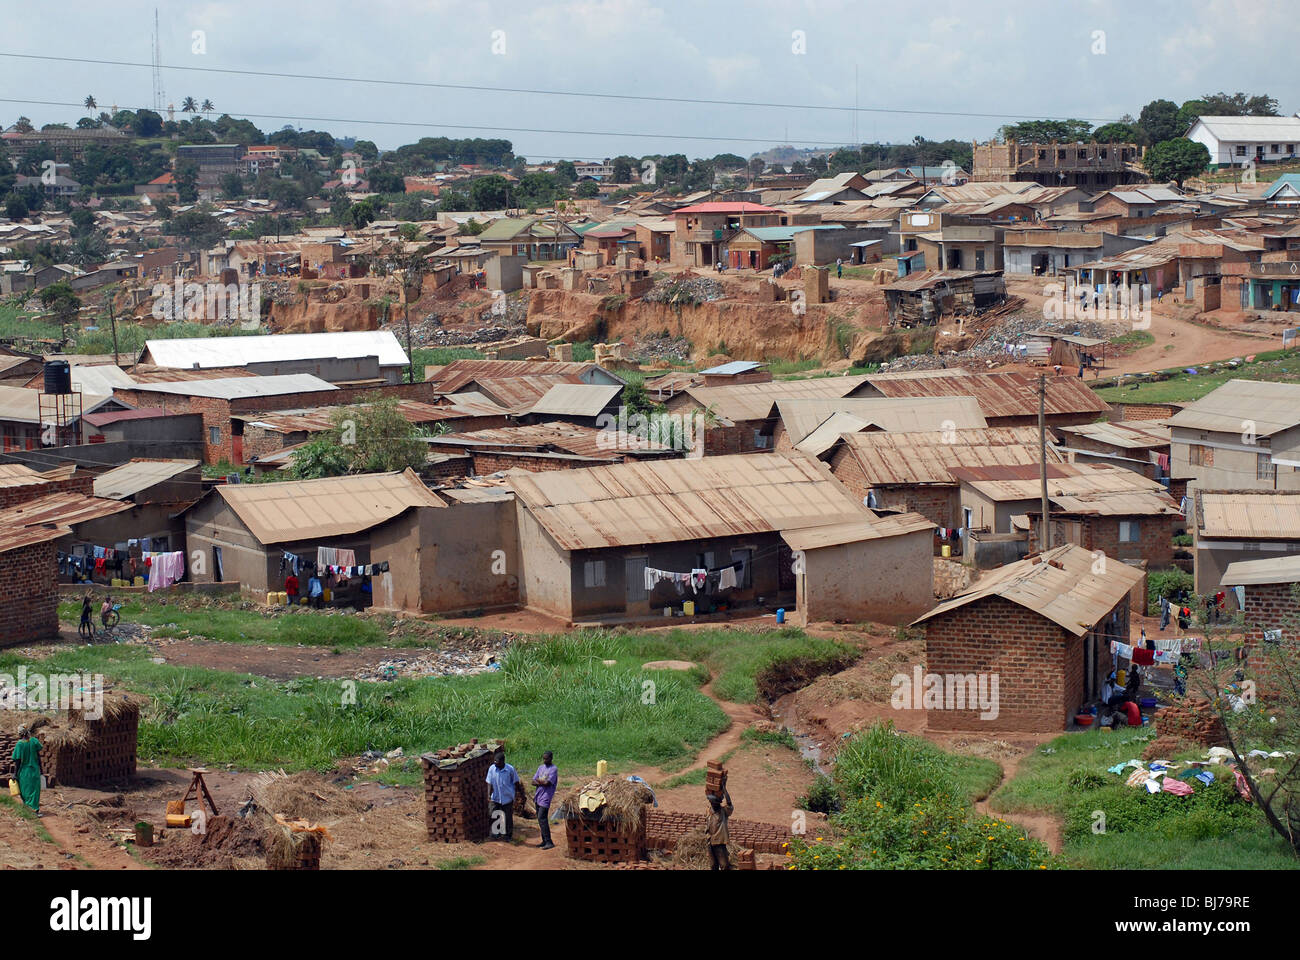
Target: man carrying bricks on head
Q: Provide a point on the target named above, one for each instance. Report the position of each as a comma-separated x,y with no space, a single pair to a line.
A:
718,832
503,781
545,779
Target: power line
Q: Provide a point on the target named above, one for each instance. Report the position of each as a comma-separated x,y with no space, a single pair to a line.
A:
455,126
484,88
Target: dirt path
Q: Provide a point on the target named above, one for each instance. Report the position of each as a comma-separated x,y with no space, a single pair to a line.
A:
74,846
1040,826
282,662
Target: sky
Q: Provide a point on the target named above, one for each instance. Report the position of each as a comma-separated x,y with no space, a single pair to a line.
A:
981,62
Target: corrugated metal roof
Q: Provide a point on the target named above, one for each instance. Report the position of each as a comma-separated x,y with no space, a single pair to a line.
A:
905,415
1128,434
317,419
518,394
733,367
925,279
453,377
137,475
1064,480
1273,570
753,401
23,404
21,475
319,509
568,437
1249,515
241,351
50,517
1061,584
1252,128
1000,394
856,531
665,501
575,400
100,379
909,458
113,416
237,388
1270,407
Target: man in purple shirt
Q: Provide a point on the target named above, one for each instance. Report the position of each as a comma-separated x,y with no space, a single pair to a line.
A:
545,779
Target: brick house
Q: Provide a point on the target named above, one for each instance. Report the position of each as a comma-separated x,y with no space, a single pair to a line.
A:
1127,526
1270,603
1043,627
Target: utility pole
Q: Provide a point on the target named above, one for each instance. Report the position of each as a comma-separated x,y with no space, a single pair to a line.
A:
1043,542
112,320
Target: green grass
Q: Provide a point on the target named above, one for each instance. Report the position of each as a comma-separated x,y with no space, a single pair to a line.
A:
1134,338
554,693
1209,830
787,368
691,778
462,863
782,737
1177,386
16,322
439,357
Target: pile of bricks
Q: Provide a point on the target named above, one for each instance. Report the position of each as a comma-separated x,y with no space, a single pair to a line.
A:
606,841
106,756
665,827
1192,720
456,793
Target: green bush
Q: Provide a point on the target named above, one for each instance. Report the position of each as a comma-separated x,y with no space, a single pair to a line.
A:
822,796
1213,810
1164,583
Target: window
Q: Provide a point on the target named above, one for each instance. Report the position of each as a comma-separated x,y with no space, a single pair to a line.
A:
761,440
214,436
1241,150
1199,455
1290,148
704,560
1273,149
1103,153
1128,531
1263,466
593,574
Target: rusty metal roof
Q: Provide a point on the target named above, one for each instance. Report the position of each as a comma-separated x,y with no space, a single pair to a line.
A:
1062,584
50,517
575,400
753,401
908,458
136,475
1272,570
802,418
21,475
516,394
1128,434
317,419
666,501
1005,483
453,377
1000,394
571,438
856,531
331,507
1249,515
1269,407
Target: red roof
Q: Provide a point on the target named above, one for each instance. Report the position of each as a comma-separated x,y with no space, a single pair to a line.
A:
166,178
718,207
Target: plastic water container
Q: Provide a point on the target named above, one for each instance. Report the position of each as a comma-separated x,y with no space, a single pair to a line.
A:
946,550
688,608
780,615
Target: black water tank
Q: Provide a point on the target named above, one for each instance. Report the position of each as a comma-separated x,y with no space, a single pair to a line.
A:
58,377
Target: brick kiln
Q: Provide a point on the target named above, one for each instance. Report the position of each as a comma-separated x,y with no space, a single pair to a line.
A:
456,792
77,751
605,820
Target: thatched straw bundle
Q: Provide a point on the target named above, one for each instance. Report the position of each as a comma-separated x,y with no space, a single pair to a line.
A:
692,851
305,795
625,801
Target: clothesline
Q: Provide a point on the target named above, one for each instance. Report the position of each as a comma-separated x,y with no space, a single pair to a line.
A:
697,579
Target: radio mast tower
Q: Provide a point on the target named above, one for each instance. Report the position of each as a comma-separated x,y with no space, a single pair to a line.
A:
159,98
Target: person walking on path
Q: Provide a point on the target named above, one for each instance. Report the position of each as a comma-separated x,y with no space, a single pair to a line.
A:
27,768
717,829
545,780
839,268
503,780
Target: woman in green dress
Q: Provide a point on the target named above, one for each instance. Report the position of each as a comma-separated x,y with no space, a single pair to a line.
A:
27,768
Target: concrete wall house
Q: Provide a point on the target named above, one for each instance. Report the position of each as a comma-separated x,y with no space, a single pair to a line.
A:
1244,435
1233,525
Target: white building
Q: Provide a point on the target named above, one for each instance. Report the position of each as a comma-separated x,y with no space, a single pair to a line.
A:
1235,141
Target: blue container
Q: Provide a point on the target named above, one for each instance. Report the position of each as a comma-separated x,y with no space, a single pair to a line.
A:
780,615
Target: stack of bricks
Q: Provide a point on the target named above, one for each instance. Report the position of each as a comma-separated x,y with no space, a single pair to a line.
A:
456,795
107,755
1192,720
606,841
664,828
715,779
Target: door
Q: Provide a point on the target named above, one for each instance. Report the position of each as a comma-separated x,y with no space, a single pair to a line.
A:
217,573
636,594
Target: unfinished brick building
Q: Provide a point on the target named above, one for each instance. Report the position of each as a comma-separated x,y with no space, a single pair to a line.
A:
1271,607
78,750
1043,627
1096,166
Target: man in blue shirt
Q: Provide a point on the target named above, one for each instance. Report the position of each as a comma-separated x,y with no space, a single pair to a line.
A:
503,780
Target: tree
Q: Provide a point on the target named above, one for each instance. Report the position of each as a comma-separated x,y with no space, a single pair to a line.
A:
232,185
1176,160
1190,111
287,194
489,193
362,213
187,182
1045,131
200,229
566,171
89,103
386,181
1117,133
207,106
89,248
23,125
757,166
371,438
588,189
817,164
59,299
189,105
83,221
623,169
367,150
16,207
1158,121
148,123
1238,105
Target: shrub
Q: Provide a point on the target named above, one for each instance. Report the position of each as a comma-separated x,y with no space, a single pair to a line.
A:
822,796
1164,583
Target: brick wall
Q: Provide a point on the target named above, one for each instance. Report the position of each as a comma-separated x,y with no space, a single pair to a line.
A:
1154,543
30,608
1268,607
720,441
13,496
1039,665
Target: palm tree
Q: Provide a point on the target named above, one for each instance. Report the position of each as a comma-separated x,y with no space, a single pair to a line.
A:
90,103
188,105
208,106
